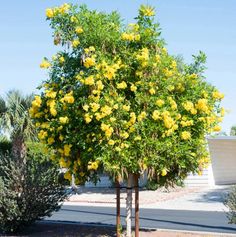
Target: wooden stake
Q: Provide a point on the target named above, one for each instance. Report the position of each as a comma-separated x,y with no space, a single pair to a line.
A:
118,225
129,206
136,184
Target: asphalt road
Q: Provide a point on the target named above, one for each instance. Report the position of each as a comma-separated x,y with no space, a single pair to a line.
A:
149,218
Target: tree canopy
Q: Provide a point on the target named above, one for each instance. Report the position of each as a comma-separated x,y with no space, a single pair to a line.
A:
116,99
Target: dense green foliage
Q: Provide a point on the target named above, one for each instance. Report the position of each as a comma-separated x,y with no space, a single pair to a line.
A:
233,131
28,192
116,99
231,204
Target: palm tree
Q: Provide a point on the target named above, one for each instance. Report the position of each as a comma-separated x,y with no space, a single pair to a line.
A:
15,120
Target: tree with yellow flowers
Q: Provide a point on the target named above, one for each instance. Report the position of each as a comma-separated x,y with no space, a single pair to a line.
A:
116,100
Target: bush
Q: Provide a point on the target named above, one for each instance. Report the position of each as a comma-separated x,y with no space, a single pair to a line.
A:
5,145
231,204
29,191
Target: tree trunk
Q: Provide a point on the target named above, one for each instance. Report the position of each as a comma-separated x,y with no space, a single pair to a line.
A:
136,178
19,149
129,206
118,224
74,188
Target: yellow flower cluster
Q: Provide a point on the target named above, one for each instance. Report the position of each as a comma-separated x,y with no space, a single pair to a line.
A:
185,135
52,104
160,102
172,103
36,104
75,43
64,120
52,12
45,64
143,57
130,36
186,123
121,85
68,98
79,30
93,165
147,11
217,95
107,129
202,105
89,62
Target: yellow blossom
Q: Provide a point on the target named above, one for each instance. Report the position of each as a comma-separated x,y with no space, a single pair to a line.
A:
185,135
137,138
89,62
100,85
45,64
111,142
79,30
152,91
61,59
106,110
92,165
217,95
51,94
160,102
121,85
146,11
88,118
61,138
89,81
68,98
156,115
85,107
217,128
50,140
126,107
73,19
94,106
67,149
164,172
42,134
49,13
64,120
75,43
68,176
142,116
133,88
202,105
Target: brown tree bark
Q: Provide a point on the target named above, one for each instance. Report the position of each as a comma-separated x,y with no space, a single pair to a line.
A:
136,185
118,223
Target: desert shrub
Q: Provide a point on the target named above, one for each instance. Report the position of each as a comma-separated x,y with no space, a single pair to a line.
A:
5,145
231,204
29,191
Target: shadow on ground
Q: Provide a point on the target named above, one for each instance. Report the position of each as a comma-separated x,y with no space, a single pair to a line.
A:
44,229
215,195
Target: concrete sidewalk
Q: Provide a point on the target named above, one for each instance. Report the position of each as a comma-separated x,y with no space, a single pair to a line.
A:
179,198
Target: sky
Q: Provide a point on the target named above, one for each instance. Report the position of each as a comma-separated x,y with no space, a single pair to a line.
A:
187,27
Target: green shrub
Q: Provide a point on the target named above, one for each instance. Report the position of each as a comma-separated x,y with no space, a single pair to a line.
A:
5,145
231,204
29,191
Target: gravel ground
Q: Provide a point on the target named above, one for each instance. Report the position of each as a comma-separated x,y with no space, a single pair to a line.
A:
44,229
108,195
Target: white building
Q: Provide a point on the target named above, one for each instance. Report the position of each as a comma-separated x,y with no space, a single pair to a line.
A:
222,169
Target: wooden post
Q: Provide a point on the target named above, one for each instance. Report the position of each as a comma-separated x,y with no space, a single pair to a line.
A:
118,224
129,206
136,184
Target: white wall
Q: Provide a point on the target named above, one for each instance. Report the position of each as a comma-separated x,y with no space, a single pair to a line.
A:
223,156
